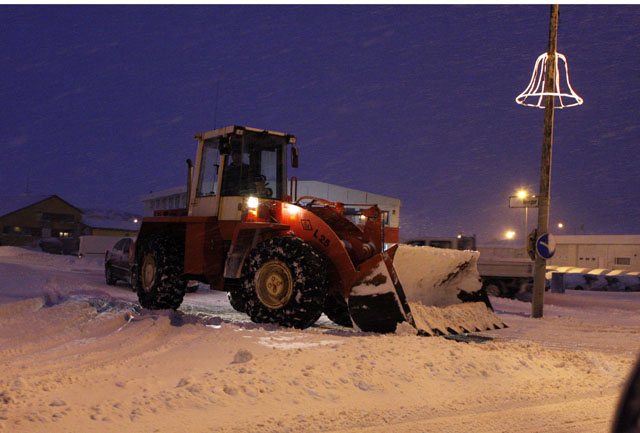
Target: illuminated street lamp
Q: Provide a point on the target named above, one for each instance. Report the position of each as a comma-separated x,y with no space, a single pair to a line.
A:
510,234
560,225
525,200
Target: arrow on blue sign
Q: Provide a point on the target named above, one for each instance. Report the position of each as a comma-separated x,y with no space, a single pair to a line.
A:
546,246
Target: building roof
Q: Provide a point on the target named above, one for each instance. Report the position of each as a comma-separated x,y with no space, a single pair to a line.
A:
94,218
109,219
12,203
182,189
101,223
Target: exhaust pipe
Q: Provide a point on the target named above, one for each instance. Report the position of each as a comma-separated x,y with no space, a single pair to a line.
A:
189,180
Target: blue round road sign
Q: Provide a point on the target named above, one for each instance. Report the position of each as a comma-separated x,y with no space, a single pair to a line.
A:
546,246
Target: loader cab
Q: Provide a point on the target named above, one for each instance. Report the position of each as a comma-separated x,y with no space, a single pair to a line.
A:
233,164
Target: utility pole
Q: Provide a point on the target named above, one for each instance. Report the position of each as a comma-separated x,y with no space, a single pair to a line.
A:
545,168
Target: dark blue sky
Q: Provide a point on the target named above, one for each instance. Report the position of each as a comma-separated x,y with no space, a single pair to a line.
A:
100,104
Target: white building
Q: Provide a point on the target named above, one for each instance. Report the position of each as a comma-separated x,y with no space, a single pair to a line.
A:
617,252
173,198
614,252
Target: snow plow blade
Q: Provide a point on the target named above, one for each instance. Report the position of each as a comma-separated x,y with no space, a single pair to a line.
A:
437,291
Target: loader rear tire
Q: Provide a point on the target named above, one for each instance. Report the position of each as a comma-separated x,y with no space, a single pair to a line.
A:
161,283
284,282
236,300
337,310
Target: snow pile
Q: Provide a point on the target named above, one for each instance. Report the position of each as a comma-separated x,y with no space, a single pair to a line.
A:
85,361
378,282
436,276
41,259
71,368
611,281
16,252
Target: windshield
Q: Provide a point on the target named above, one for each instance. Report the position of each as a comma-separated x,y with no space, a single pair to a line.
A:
254,166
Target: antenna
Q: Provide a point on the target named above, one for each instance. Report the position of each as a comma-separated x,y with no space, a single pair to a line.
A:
215,113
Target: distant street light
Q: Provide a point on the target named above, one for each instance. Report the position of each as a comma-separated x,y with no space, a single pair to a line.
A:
510,234
560,225
525,200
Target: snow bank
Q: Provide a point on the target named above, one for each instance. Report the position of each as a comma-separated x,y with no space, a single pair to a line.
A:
38,258
93,364
436,276
72,368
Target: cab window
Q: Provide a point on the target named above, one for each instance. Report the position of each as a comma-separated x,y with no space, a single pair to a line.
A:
208,181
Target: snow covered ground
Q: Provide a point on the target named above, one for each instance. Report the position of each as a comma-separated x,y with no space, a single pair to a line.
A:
76,356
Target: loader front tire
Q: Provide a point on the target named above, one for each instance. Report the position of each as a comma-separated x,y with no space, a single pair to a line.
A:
284,282
161,284
337,310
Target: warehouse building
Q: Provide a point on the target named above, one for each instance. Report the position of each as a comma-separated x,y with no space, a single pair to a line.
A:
617,252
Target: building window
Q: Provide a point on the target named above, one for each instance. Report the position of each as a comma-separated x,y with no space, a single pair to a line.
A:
623,261
22,231
440,244
385,217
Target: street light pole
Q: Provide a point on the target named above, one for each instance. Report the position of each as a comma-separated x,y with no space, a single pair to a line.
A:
526,225
545,170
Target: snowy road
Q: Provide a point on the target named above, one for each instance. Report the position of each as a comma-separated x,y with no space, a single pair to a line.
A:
78,366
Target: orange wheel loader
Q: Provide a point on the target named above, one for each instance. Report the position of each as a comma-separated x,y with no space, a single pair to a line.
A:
287,261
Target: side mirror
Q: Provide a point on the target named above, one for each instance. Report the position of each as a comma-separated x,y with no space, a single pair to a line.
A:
294,157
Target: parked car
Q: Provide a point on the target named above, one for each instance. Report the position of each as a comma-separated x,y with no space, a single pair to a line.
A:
119,264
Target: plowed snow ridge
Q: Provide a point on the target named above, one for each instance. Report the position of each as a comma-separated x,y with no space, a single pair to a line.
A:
81,359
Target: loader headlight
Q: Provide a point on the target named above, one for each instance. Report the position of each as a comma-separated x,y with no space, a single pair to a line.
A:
292,210
252,203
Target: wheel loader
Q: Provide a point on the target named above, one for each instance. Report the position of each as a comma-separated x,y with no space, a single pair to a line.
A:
286,260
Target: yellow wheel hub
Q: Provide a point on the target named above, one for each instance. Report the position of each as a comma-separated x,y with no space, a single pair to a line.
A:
274,284
148,272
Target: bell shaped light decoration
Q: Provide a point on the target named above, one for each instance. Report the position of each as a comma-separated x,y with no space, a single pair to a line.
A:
534,94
